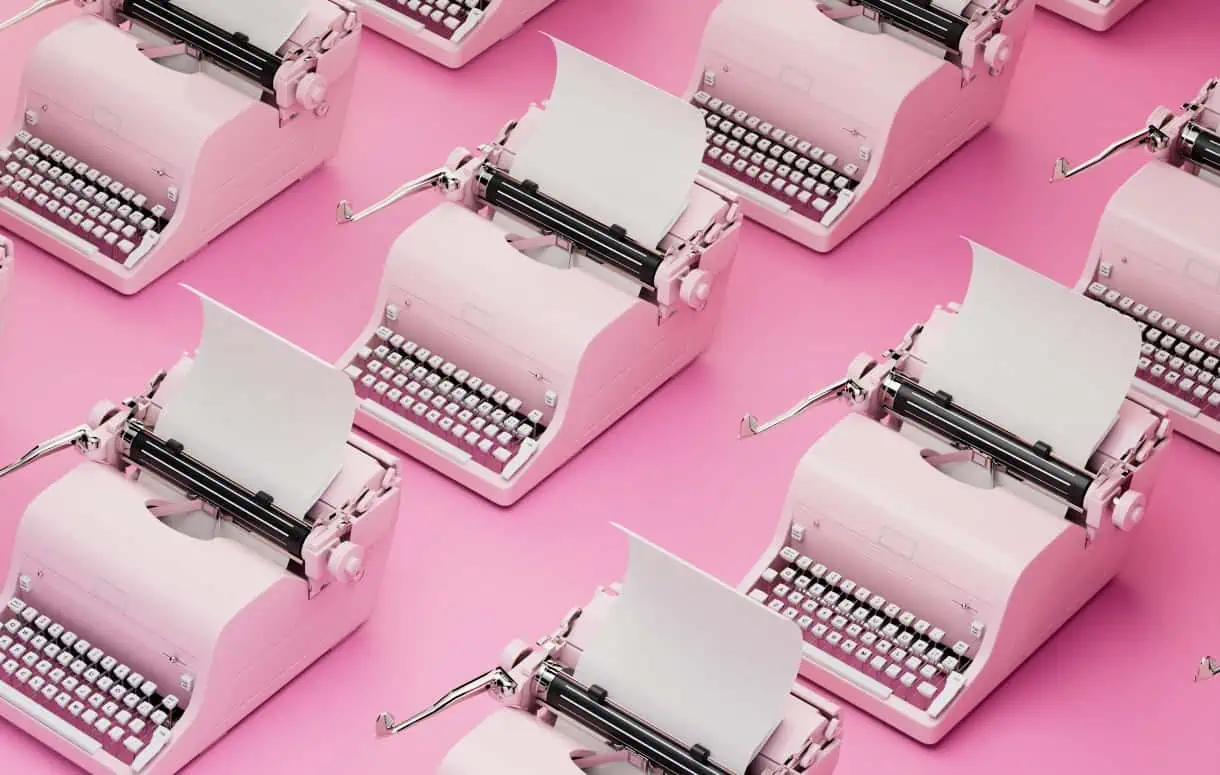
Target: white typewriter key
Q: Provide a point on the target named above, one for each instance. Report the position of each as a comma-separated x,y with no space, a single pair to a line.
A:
927,690
117,692
133,744
907,680
893,671
961,648
122,717
75,709
131,700
848,586
83,692
819,631
825,614
49,691
928,671
158,717
791,613
38,642
854,630
104,683
834,638
102,725
137,725
25,634
88,717
758,596
116,733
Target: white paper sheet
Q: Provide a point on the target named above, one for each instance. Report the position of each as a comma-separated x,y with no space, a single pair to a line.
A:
262,411
693,656
614,147
267,23
1036,358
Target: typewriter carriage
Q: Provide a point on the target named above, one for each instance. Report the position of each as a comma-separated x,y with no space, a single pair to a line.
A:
224,624
583,343
807,739
846,507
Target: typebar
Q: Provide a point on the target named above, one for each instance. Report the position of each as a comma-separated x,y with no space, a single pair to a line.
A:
1203,146
922,17
589,707
938,414
229,49
255,512
607,244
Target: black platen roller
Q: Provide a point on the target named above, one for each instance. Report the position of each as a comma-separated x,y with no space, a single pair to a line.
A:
255,512
594,711
924,18
1205,149
603,243
960,427
231,50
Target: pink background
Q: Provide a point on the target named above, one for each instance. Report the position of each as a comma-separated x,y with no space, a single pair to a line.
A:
1112,693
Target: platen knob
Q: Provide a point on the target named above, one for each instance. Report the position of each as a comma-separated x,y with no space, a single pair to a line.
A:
997,52
1128,510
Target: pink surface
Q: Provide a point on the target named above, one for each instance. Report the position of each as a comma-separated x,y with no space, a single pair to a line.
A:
1111,693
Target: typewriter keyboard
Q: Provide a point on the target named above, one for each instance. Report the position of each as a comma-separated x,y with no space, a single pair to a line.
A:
451,19
862,637
426,389
1179,360
74,197
778,164
75,688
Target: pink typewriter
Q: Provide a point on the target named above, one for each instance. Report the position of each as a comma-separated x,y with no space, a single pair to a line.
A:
928,547
1156,259
573,705
1098,15
451,32
821,114
160,592
6,267
521,318
198,113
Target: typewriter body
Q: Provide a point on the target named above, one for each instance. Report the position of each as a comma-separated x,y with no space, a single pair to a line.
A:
143,131
553,723
1098,15
451,32
495,366
821,114
914,607
1156,258
153,603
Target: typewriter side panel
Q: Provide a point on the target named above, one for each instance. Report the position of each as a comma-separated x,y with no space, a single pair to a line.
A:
1158,245
941,115
6,271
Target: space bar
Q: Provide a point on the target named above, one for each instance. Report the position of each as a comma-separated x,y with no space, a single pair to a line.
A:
847,672
735,185
56,231
421,435
49,719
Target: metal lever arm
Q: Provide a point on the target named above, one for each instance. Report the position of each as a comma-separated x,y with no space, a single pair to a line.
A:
846,386
441,178
36,8
1150,135
82,436
496,680
1208,668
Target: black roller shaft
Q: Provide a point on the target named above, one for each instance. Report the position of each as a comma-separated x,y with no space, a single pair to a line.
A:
599,241
1206,149
578,703
245,508
922,17
232,50
1018,458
